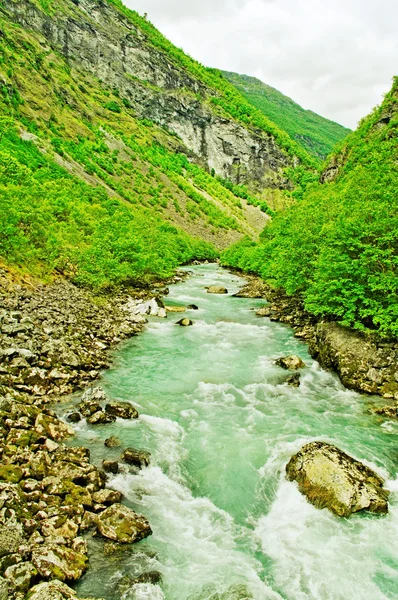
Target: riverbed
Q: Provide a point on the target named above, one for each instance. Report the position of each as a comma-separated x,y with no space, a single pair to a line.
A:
221,423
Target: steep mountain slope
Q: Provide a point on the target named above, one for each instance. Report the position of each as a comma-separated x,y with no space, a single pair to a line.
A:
338,246
314,133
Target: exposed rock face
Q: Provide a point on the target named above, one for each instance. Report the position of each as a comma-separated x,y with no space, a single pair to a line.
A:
122,524
292,362
361,363
217,289
97,38
331,479
54,590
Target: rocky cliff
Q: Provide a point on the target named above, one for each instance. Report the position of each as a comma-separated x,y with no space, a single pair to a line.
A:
96,37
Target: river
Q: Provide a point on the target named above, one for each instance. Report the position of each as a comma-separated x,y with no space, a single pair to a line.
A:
221,425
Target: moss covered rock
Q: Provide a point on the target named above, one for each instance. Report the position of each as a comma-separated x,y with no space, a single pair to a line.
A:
121,524
56,561
332,479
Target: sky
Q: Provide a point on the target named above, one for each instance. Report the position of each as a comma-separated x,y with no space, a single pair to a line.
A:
336,57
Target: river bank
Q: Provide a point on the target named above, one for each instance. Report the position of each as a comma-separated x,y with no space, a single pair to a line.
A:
55,340
363,362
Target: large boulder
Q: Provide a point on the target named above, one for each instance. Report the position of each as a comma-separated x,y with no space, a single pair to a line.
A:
121,524
332,479
56,561
292,362
20,575
217,289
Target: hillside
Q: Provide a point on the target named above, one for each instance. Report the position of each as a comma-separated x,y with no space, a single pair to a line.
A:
314,133
97,102
337,247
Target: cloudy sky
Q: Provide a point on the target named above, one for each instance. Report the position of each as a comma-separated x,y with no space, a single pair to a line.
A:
334,57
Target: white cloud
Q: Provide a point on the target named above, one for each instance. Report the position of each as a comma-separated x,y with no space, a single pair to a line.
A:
334,58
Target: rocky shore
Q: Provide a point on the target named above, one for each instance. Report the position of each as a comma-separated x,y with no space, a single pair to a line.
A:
363,362
55,339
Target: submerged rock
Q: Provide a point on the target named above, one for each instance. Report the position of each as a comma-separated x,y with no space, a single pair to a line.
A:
74,417
121,524
192,307
332,479
290,362
217,289
112,442
123,410
293,380
138,458
185,322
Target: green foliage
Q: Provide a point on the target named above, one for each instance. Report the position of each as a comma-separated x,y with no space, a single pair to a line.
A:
314,133
338,245
51,221
113,106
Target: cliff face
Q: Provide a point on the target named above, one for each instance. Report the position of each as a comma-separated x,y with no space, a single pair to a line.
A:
96,37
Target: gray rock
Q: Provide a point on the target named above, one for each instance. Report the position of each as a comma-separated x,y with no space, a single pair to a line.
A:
138,458
121,524
101,418
332,479
56,561
11,539
217,289
123,410
290,362
20,576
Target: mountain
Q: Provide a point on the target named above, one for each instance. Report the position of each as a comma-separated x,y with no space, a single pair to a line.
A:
125,156
337,247
314,133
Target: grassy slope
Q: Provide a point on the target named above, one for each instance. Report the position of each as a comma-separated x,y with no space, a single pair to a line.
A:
80,125
338,246
314,133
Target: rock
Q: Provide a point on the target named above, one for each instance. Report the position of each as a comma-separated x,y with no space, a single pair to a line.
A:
293,380
176,309
110,466
290,362
253,289
162,313
192,307
20,576
266,311
138,458
217,289
121,524
74,417
88,407
53,590
184,322
11,473
153,577
123,410
390,412
332,479
101,418
107,497
52,427
4,589
10,540
56,561
112,442
95,394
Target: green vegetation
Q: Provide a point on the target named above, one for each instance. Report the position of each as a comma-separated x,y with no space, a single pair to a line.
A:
50,221
338,245
314,133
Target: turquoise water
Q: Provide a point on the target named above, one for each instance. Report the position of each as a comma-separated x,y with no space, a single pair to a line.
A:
221,425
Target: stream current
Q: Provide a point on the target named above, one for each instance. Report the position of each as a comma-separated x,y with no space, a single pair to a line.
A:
221,424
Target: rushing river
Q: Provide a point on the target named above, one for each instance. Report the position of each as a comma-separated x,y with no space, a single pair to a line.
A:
221,425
